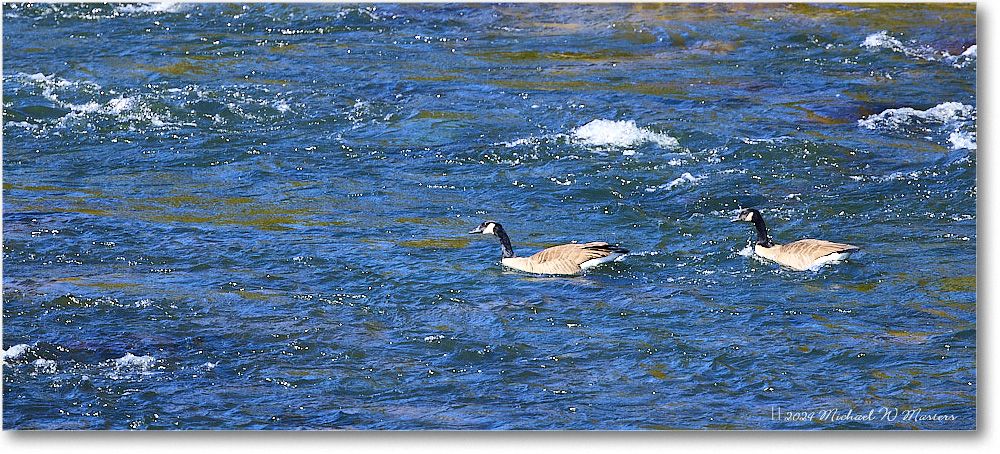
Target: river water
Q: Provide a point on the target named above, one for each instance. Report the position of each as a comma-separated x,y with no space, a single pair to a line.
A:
224,216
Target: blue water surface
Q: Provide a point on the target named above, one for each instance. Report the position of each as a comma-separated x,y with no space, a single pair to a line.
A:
228,216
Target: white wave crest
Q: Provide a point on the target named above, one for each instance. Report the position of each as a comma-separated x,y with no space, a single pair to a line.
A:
952,121
962,60
944,113
962,139
42,78
15,352
44,366
68,10
883,40
684,178
132,362
161,7
620,134
22,125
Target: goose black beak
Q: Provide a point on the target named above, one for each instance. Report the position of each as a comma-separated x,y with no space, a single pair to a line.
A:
478,230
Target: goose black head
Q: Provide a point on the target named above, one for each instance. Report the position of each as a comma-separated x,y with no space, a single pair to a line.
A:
753,216
486,228
748,215
495,229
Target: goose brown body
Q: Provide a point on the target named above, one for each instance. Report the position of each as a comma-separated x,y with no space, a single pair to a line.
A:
806,254
563,259
800,255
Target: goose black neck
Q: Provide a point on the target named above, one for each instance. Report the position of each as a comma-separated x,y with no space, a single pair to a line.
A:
508,251
762,238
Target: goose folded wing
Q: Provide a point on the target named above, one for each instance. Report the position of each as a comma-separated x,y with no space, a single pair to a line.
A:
573,253
816,248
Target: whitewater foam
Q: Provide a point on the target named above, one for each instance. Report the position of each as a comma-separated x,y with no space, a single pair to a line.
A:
942,113
132,362
964,59
163,7
620,134
962,140
120,107
46,366
883,40
42,78
949,115
15,352
684,178
142,108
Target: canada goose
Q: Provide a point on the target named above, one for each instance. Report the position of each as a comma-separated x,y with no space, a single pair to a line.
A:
564,259
800,255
